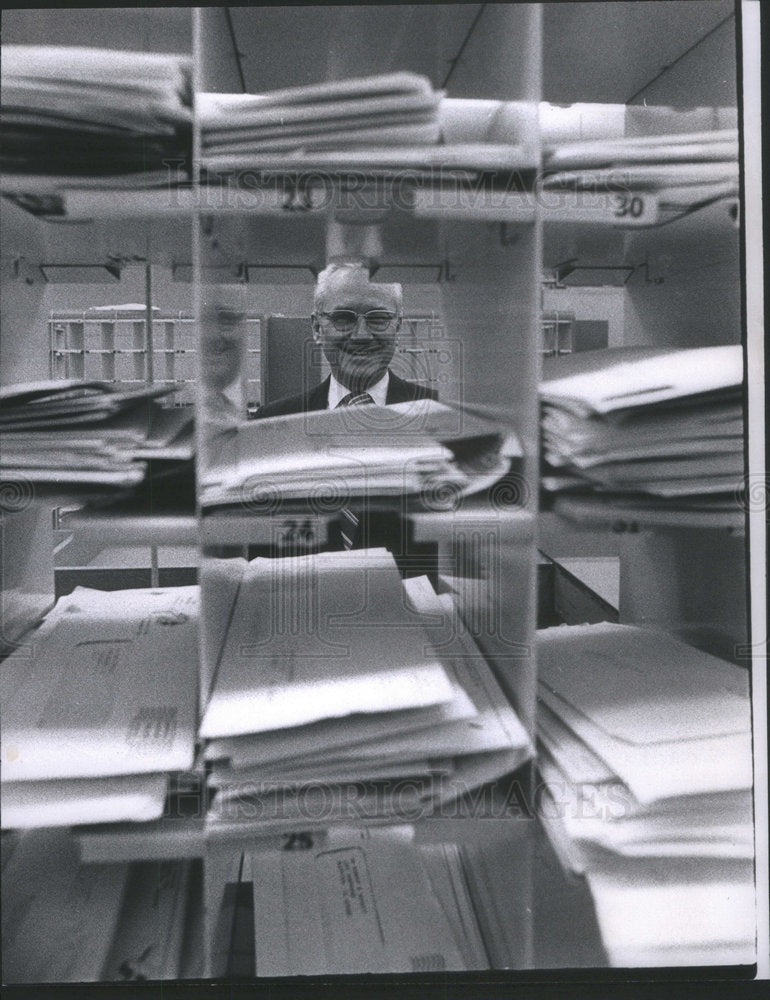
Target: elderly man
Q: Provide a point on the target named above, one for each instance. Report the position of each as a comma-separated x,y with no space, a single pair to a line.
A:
356,322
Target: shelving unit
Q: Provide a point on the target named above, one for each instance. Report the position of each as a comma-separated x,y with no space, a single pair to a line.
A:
487,280
681,289
471,262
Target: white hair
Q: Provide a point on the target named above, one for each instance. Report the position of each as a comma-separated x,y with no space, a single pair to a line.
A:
356,270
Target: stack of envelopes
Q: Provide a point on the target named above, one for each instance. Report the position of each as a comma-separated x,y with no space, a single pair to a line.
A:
392,126
330,680
84,432
98,708
353,901
686,170
87,115
641,420
398,109
424,449
645,751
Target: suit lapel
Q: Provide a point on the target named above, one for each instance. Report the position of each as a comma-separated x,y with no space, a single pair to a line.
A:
318,398
397,391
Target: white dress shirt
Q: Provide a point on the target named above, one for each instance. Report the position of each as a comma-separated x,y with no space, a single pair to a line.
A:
378,391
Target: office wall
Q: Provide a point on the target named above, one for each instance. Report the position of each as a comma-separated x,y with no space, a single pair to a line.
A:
696,305
288,300
606,304
685,298
168,295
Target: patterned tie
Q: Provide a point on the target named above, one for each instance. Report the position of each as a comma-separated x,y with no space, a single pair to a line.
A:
349,519
355,399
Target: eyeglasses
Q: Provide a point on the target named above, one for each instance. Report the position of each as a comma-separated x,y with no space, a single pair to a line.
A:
346,320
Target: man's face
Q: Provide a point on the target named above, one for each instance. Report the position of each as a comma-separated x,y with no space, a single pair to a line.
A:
360,356
222,347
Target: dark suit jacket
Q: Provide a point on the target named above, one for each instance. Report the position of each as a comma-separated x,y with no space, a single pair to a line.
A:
385,528
399,391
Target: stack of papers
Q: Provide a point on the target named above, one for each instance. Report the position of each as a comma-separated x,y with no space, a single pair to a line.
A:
92,117
333,677
75,432
663,423
379,126
425,449
686,171
361,902
646,757
101,710
392,109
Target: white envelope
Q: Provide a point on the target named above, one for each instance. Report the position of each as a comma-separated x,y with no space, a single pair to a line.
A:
130,798
367,906
319,639
660,770
641,686
647,915
122,666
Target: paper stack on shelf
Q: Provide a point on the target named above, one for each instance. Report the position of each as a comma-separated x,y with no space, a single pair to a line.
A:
392,109
680,172
77,116
88,433
333,676
360,902
379,126
98,707
661,423
645,751
425,449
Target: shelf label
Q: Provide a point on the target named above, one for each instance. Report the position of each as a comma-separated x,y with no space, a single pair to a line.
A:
617,208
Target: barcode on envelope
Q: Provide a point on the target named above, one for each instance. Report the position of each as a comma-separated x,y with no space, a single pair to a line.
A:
431,962
152,729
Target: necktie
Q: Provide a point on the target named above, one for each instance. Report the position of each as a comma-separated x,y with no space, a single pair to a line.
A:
355,399
349,519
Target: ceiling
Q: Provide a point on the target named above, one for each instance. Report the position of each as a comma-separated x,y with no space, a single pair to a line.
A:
295,45
258,49
280,46
637,40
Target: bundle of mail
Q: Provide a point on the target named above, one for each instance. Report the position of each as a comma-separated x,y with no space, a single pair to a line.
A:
94,117
393,109
685,171
81,433
423,449
645,751
349,901
339,691
663,423
91,727
379,125
65,921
